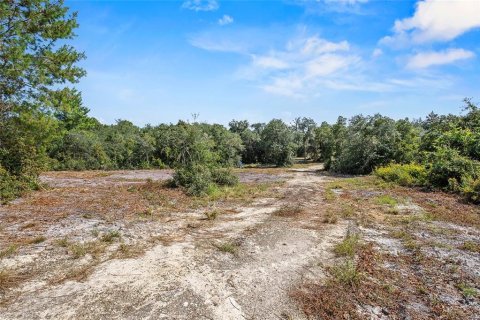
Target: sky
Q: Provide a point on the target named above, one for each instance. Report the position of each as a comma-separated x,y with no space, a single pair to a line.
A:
154,62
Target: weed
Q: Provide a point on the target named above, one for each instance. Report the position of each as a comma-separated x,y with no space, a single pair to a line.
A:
111,236
347,273
347,211
228,247
211,215
94,248
386,200
467,291
126,251
77,250
470,246
348,246
8,251
330,217
329,195
62,242
95,232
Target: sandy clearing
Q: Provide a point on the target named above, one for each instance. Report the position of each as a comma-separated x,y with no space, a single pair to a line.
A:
188,277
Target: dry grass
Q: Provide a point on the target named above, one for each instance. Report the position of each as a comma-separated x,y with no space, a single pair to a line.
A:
289,211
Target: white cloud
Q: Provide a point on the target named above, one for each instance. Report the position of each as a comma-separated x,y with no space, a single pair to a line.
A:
377,53
436,20
426,59
302,65
200,5
226,19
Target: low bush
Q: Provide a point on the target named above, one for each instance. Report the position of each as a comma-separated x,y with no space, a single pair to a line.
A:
472,191
404,174
449,170
224,177
196,179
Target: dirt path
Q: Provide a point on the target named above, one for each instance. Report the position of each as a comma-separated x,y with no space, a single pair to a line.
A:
262,256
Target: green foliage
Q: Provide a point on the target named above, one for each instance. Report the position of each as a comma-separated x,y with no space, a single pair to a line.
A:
403,174
277,143
373,141
471,190
197,179
449,170
36,64
224,177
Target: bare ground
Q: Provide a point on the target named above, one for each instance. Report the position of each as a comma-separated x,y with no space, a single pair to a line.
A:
99,245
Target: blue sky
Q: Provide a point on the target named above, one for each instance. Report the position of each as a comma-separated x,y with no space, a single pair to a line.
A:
161,61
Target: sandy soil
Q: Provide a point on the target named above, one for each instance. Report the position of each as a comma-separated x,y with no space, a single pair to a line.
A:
180,273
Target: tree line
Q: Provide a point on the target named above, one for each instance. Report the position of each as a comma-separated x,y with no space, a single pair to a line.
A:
45,126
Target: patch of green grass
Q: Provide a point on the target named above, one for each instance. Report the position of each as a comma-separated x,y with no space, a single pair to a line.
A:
467,291
470,246
348,246
329,195
111,236
94,248
11,249
347,273
386,200
228,247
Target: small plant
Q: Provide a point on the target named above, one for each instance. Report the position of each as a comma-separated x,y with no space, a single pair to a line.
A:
77,250
95,232
228,247
329,195
330,217
62,242
470,246
111,236
8,251
467,291
348,246
386,200
212,215
347,273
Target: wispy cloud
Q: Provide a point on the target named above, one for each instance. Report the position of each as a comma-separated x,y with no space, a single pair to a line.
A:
434,58
226,19
435,20
201,5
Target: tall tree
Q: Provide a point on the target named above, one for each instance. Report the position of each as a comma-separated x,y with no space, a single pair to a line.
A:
35,67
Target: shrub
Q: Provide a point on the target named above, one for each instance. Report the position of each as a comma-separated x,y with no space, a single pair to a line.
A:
224,177
472,191
403,174
449,170
197,179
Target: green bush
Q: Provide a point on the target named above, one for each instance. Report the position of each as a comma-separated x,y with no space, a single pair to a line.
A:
224,177
472,191
197,179
14,186
448,170
403,174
